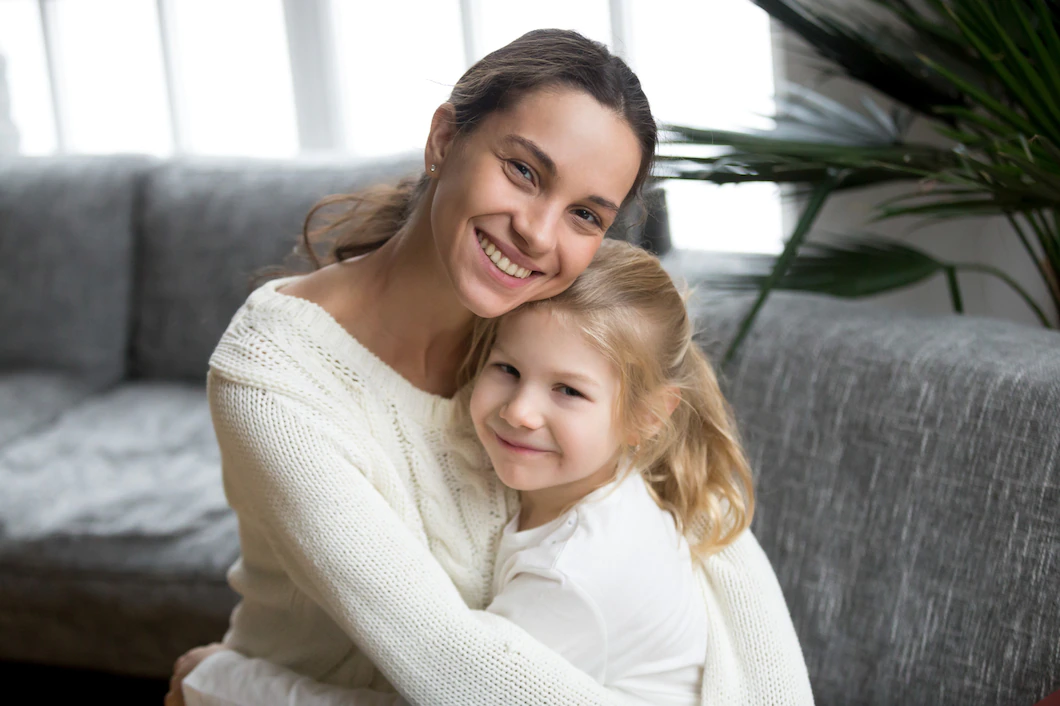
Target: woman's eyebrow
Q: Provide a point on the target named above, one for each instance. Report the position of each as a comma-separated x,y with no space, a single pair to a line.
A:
550,165
535,150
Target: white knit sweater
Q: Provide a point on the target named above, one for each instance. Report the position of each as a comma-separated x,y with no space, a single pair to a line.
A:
364,544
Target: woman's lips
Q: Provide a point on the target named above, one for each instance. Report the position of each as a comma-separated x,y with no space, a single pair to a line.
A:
498,276
518,448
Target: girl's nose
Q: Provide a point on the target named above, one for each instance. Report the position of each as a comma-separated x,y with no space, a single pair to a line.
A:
522,411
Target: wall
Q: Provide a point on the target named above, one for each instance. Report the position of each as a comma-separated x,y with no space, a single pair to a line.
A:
983,240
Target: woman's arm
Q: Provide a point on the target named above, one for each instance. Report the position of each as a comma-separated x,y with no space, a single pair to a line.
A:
227,678
344,547
553,611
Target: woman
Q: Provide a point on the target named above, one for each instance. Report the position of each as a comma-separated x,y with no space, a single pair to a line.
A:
363,541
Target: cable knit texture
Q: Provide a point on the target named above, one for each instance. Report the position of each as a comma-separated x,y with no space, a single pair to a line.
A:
365,542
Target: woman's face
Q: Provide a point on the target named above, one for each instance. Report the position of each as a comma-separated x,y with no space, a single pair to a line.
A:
544,407
521,204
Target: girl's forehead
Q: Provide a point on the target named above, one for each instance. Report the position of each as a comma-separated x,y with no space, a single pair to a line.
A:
547,334
538,320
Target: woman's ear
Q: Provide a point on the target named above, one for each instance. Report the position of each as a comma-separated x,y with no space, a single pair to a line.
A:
440,139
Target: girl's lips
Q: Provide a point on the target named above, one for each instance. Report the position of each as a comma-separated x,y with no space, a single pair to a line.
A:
518,448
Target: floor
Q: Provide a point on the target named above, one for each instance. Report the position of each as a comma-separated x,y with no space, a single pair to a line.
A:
57,685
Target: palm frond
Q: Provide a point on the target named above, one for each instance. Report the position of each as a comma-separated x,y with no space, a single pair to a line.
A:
842,266
861,55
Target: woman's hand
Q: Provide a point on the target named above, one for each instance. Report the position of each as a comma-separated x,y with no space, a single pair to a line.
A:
183,667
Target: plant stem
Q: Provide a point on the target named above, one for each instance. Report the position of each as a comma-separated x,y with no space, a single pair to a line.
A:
1037,262
987,269
820,195
955,290
1044,237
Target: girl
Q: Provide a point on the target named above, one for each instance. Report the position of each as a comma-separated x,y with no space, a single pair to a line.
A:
600,410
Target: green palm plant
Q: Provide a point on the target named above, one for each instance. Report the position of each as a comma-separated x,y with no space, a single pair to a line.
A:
986,73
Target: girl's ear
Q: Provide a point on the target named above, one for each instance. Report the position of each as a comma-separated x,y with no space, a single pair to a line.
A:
440,139
670,398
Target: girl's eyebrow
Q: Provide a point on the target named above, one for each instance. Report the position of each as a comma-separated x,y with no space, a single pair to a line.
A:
550,165
577,377
580,378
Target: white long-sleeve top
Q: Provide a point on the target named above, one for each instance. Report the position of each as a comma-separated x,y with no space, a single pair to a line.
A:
611,586
365,545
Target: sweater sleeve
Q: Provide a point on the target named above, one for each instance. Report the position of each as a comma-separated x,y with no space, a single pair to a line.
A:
345,548
227,678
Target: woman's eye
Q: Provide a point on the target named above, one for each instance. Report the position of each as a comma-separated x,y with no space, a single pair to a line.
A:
523,170
587,215
508,369
569,391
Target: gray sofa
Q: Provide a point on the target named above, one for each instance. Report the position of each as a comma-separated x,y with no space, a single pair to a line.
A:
908,468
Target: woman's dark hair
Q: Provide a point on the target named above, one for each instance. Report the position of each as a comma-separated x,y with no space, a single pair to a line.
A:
539,59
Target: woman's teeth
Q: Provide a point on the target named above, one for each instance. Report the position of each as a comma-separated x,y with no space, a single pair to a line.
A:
502,263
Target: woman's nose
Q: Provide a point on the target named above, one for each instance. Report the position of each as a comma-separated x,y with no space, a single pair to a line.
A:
522,411
537,227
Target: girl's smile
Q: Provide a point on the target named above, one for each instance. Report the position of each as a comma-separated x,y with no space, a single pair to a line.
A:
519,447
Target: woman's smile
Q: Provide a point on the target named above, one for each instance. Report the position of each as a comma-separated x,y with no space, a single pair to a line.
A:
506,259
500,266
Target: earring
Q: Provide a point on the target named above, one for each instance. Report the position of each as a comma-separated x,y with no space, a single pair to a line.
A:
433,168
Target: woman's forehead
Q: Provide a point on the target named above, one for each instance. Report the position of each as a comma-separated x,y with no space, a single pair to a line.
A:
584,142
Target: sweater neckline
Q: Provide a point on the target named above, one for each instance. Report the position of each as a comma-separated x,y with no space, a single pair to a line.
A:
427,406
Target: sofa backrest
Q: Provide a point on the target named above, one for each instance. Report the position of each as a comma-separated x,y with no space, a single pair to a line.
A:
208,227
66,253
909,495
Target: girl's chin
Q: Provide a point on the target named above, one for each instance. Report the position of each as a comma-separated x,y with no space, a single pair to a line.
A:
515,479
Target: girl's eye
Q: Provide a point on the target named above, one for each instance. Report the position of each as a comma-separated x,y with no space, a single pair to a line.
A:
569,391
587,215
523,170
508,369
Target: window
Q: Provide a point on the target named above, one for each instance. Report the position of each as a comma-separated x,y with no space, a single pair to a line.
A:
279,78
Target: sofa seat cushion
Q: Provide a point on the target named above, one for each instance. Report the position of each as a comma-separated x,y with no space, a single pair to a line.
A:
116,535
30,399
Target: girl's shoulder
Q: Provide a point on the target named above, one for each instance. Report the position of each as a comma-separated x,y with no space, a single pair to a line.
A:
615,534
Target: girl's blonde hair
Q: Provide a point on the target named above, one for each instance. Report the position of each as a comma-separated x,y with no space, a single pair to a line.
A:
630,310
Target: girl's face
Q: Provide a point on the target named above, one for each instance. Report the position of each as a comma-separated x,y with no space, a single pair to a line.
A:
536,185
544,407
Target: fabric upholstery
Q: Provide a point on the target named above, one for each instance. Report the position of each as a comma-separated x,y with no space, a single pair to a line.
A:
66,240
209,227
30,399
115,534
909,495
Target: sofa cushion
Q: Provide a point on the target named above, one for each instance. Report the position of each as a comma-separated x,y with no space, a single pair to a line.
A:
66,238
30,399
909,486
209,227
116,536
